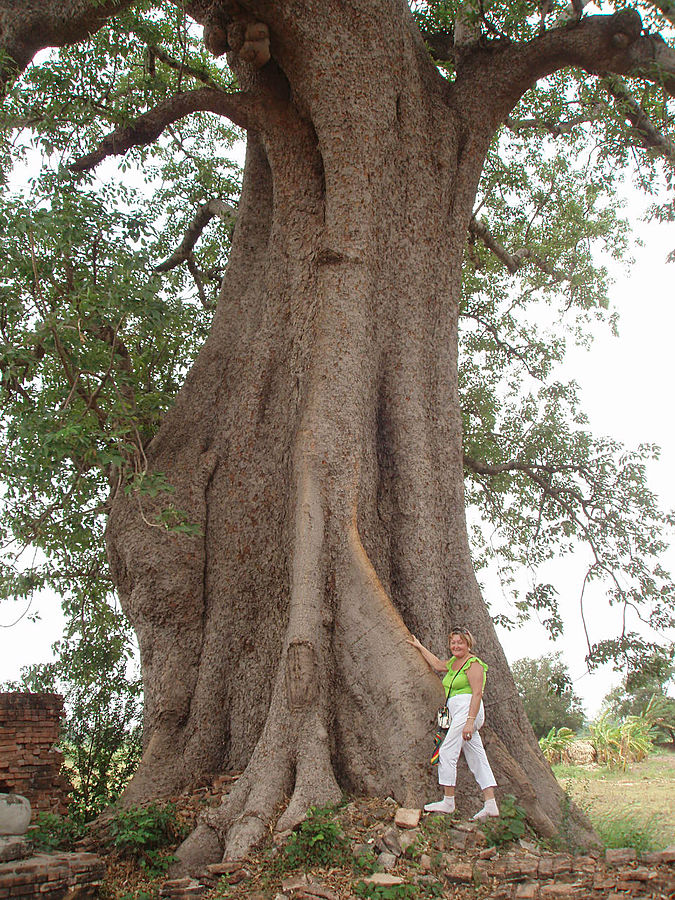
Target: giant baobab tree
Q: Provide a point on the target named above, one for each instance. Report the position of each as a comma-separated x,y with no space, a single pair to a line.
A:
315,447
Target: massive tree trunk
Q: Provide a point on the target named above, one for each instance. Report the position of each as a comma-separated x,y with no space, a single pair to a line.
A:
318,444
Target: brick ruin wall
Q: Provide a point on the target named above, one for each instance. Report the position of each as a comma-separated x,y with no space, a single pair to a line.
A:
29,764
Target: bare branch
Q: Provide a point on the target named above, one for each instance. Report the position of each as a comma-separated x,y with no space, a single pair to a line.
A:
631,109
513,261
199,74
204,215
27,26
242,108
515,465
555,128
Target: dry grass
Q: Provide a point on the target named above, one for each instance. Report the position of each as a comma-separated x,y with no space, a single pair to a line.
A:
644,795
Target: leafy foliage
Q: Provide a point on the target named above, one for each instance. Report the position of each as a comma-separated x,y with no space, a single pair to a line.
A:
509,826
643,692
617,744
548,695
141,833
553,744
398,891
317,842
101,739
52,832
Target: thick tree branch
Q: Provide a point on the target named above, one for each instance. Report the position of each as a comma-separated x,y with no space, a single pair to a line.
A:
242,108
27,26
515,465
204,215
598,44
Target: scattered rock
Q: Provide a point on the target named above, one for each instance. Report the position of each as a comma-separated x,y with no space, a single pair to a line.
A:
620,856
178,888
294,884
458,872
658,857
389,842
407,818
383,878
425,862
16,846
458,839
386,860
639,874
224,868
558,891
407,839
528,891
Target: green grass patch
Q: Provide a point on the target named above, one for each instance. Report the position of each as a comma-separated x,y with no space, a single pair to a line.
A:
632,808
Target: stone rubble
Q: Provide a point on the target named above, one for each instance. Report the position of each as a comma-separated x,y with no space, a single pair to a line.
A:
466,867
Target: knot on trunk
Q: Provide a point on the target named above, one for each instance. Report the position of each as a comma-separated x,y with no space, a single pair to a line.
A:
230,28
626,28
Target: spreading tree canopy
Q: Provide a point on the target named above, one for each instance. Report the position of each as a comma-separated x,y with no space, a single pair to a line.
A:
280,450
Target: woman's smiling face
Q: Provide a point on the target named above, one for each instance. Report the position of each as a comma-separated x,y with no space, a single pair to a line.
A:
459,646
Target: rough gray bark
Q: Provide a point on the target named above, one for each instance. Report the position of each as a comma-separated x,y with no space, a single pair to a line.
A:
317,440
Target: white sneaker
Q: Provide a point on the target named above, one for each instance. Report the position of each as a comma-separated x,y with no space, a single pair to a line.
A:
447,805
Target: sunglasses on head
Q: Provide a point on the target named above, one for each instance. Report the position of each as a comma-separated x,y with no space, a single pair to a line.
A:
459,629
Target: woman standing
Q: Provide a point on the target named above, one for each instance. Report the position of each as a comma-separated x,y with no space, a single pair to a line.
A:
464,681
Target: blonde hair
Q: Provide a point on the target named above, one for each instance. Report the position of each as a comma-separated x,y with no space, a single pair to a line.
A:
465,633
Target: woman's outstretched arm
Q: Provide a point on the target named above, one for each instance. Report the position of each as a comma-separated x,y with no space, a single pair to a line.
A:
438,665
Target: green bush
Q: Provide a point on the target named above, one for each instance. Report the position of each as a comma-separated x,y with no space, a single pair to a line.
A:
318,842
54,832
509,826
143,832
619,743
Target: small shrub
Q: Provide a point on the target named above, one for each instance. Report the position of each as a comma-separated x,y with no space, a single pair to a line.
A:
318,842
509,826
54,832
387,891
624,829
553,743
426,891
142,833
365,863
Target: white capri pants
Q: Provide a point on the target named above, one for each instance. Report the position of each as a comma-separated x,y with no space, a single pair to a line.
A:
454,744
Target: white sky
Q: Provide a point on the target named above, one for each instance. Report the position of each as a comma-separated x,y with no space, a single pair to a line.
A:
627,385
